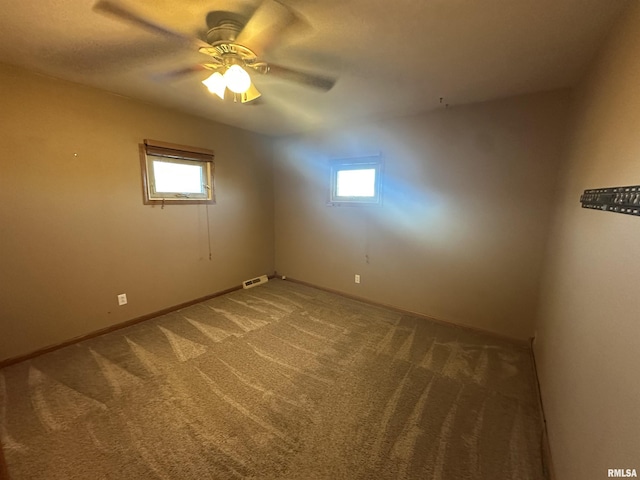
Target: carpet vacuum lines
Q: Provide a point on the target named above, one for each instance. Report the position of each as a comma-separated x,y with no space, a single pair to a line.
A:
279,382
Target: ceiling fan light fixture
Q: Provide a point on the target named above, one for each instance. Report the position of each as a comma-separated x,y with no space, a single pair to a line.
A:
216,84
237,79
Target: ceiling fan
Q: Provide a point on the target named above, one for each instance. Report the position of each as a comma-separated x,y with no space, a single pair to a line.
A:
234,44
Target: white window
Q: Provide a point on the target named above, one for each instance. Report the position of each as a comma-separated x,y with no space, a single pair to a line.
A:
356,181
176,174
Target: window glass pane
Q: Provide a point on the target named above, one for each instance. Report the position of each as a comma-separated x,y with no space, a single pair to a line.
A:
177,177
356,183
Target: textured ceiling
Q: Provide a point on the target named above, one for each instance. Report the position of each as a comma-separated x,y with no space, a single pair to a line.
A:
390,58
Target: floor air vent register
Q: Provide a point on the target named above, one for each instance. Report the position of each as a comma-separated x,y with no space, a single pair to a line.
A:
255,281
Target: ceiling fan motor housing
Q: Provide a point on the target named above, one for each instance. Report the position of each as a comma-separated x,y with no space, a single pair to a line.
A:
222,35
230,53
225,31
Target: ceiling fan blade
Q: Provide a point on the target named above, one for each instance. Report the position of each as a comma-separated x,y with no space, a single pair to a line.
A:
178,73
265,25
309,79
117,9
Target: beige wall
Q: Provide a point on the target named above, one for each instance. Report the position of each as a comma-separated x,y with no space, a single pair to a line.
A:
588,342
74,231
461,234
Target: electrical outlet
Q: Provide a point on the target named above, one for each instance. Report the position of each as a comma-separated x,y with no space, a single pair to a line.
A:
122,299
357,279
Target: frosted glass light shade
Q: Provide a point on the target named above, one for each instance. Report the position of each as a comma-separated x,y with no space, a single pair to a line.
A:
238,81
216,84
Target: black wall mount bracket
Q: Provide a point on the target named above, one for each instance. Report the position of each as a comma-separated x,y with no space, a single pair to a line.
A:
613,199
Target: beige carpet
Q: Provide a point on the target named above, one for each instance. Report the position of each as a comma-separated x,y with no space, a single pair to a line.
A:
281,381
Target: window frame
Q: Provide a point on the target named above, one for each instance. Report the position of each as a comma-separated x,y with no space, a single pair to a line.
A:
360,163
179,154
